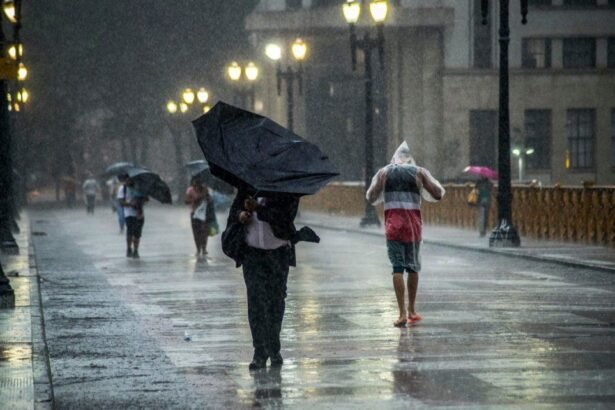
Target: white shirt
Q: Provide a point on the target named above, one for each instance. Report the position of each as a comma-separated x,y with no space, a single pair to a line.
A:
128,196
259,234
90,186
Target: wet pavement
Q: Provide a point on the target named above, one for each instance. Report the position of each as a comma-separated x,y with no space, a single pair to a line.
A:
498,331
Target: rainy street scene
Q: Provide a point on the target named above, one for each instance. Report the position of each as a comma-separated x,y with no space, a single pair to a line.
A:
293,204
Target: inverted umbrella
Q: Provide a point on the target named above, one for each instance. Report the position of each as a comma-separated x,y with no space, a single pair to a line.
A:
150,184
481,171
253,152
118,168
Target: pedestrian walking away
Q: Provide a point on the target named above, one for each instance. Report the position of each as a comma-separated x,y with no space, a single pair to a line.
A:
202,215
483,188
260,236
403,183
132,202
90,188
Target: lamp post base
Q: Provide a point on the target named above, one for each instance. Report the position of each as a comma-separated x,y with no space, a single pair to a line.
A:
504,236
370,218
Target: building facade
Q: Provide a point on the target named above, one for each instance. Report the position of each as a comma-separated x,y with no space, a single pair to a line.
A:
438,86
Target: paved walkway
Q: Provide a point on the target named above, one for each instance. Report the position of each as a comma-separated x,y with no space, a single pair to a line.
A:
500,333
24,377
572,254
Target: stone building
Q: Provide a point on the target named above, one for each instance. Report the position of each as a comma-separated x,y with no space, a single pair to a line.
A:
438,87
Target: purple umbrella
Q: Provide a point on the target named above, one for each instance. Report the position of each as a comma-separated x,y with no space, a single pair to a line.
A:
481,171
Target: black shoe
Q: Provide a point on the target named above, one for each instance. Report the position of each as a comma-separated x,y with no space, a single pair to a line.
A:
128,253
258,362
135,254
276,360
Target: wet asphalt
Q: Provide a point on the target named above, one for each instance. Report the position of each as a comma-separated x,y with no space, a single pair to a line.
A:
497,331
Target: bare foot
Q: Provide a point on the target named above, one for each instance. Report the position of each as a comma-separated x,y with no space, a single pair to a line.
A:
401,322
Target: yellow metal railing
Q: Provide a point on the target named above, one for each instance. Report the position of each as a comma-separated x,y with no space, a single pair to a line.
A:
575,214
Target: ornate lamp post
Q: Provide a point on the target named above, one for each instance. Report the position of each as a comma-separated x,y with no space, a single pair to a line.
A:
243,94
290,75
352,11
504,233
12,11
189,100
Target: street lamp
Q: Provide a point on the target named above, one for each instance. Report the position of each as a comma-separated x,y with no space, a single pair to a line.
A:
243,91
352,11
299,52
520,153
504,233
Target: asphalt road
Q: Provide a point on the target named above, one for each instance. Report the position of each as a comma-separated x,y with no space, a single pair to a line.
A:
497,331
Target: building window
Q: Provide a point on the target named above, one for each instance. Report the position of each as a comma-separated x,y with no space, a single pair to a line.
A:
579,52
483,137
611,53
579,3
294,4
580,132
613,137
538,137
482,40
326,3
536,53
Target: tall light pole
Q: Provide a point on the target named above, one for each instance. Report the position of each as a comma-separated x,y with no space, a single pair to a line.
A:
244,91
504,234
12,11
189,101
352,11
290,75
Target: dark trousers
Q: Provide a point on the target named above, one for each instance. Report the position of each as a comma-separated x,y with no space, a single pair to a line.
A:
265,273
199,232
90,202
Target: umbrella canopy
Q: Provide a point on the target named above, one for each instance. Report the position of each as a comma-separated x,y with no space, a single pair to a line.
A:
118,168
200,169
481,171
149,183
253,152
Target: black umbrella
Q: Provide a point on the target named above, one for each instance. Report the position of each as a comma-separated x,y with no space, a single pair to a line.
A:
150,184
200,169
118,168
253,152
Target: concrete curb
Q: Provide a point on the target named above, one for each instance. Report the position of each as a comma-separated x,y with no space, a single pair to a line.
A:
41,367
498,251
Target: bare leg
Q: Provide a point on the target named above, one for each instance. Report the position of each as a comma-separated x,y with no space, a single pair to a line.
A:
413,284
398,284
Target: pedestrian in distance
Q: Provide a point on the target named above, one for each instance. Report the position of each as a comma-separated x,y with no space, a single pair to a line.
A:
90,188
483,188
202,215
132,202
403,183
114,184
260,236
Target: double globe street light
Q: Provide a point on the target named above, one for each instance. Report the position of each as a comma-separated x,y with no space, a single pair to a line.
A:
244,91
352,12
290,75
189,101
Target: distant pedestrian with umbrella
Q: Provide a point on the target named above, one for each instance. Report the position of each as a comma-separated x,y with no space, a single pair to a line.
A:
132,203
202,215
271,167
482,194
403,183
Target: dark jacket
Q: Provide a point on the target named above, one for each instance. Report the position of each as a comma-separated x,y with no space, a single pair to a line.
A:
279,211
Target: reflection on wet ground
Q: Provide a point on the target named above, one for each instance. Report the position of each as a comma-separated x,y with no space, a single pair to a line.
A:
497,331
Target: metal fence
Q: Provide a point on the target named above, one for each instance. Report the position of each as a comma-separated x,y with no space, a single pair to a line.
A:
575,214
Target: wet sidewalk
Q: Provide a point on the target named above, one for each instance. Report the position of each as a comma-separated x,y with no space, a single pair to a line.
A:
571,254
24,377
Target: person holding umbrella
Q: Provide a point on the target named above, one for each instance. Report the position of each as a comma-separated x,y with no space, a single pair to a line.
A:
271,167
132,202
403,184
202,215
482,188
